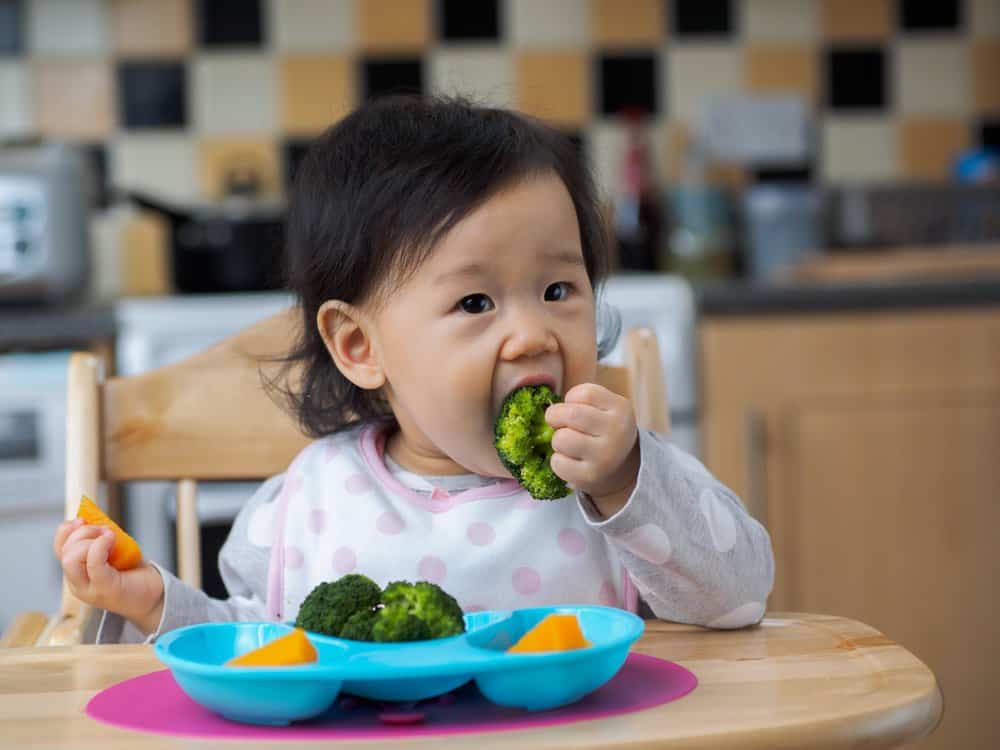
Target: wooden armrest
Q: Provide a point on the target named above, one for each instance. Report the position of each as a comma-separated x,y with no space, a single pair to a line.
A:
66,629
24,631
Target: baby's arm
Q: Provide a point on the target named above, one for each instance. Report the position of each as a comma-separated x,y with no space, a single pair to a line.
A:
692,550
243,567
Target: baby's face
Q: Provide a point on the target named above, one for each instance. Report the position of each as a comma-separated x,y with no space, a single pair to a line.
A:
504,297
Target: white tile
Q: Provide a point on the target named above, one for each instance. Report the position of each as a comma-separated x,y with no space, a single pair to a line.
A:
484,75
695,73
607,141
780,19
162,164
932,77
312,25
15,99
548,23
67,27
859,149
234,93
984,18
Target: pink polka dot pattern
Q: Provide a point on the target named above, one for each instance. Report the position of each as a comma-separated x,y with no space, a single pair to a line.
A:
293,558
474,608
607,595
526,581
571,542
481,534
317,521
358,484
344,560
390,523
432,569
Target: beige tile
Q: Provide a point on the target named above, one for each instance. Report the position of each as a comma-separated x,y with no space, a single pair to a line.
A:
555,86
550,24
782,67
220,158
695,73
389,25
928,146
855,20
627,23
15,96
163,164
66,27
986,76
152,27
859,149
984,18
932,77
785,20
234,93
313,25
484,75
74,99
316,91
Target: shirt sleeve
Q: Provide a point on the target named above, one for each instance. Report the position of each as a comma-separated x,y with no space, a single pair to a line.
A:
243,565
689,545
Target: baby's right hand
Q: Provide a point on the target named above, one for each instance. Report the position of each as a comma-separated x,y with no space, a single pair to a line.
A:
82,550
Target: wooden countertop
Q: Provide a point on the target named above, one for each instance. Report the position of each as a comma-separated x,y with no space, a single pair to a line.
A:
798,680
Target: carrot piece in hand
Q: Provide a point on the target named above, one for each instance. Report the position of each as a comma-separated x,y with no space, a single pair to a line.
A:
125,553
553,632
293,648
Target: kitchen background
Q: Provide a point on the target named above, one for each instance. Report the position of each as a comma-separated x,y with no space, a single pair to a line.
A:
805,196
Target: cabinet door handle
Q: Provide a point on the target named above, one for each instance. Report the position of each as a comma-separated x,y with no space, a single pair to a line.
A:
755,435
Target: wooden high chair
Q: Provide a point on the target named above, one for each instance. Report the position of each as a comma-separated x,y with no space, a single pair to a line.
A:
208,418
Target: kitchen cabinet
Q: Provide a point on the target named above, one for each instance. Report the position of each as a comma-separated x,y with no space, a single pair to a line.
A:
869,445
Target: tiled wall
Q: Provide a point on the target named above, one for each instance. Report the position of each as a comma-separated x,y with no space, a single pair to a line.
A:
175,94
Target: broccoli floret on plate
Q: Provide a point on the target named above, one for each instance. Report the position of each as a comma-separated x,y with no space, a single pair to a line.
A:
359,625
423,600
523,440
331,604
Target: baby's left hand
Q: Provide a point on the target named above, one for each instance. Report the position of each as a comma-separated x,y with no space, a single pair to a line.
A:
596,442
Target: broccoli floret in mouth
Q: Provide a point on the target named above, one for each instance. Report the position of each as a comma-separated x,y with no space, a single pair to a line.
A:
523,440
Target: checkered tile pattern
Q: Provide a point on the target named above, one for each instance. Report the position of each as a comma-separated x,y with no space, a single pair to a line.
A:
175,94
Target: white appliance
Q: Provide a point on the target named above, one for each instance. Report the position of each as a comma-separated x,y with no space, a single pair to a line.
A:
32,470
157,332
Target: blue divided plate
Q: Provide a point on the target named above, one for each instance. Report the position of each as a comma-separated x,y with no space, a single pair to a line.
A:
196,655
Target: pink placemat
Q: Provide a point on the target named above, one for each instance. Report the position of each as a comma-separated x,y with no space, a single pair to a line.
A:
155,703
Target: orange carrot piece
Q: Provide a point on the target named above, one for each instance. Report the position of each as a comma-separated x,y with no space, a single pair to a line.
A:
555,632
125,553
293,648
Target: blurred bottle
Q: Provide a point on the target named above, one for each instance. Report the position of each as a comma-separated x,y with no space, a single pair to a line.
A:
701,237
637,219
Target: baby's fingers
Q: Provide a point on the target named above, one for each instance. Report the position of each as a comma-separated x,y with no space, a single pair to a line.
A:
74,554
99,570
63,531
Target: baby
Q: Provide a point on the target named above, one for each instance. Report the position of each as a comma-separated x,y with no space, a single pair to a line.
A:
442,255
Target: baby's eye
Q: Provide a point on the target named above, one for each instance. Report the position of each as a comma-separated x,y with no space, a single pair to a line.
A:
558,291
475,304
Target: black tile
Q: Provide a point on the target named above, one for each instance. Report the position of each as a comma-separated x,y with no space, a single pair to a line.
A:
11,27
292,151
783,173
930,15
152,95
702,17
856,79
230,23
989,133
628,82
396,76
462,19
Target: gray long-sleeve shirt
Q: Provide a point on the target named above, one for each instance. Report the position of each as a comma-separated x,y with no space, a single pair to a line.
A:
686,541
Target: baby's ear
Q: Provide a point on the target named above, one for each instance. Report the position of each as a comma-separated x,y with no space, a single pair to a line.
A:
346,331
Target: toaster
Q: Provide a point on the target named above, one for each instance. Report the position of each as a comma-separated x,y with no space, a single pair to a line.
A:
44,222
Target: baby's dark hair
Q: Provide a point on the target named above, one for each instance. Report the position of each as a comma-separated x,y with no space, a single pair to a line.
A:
376,192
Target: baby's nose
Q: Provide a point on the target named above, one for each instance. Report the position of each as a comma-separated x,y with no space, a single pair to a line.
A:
529,336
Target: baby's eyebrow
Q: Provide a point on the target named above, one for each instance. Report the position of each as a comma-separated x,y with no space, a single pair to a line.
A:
470,270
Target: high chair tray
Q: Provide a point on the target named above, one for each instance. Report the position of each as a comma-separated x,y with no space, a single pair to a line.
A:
197,656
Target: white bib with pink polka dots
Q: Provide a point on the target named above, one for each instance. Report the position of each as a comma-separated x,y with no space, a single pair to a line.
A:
495,547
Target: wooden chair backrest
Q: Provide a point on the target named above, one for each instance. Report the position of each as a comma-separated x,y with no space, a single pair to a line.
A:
209,418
